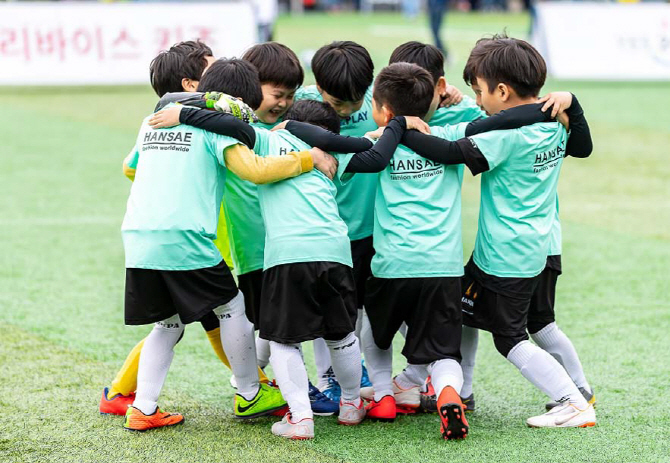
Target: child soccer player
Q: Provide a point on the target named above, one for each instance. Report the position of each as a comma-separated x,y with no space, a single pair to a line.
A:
175,70
175,274
520,170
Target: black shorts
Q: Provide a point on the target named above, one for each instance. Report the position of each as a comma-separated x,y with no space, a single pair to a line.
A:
541,311
154,295
251,284
430,307
307,300
495,304
362,252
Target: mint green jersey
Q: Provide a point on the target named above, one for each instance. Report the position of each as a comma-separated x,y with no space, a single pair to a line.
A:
302,221
465,111
556,239
356,198
174,202
418,215
518,198
245,221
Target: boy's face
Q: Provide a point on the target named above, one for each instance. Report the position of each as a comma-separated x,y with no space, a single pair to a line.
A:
277,100
491,100
343,109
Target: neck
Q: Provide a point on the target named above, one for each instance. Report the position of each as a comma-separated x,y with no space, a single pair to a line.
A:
518,101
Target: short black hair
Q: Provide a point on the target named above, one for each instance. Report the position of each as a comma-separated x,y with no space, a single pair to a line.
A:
235,77
406,89
425,55
315,113
276,64
501,59
344,70
184,60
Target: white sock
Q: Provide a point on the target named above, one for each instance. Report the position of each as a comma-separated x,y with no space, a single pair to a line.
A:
554,341
412,376
155,360
237,338
346,357
379,362
469,342
289,368
446,372
324,369
262,352
541,369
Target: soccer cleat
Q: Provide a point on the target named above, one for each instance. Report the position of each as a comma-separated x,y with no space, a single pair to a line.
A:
138,421
266,401
469,403
321,405
407,398
350,414
452,415
117,405
565,416
303,429
365,379
428,403
333,390
589,396
368,393
384,410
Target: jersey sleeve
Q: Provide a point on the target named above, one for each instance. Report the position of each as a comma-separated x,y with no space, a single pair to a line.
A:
307,93
495,146
220,144
450,132
343,161
132,158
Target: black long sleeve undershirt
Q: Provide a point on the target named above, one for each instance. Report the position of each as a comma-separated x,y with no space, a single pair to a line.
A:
327,140
176,97
580,144
221,123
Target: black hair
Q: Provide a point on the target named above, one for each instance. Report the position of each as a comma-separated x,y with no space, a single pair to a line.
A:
344,70
501,59
184,60
425,55
405,88
235,77
276,64
315,113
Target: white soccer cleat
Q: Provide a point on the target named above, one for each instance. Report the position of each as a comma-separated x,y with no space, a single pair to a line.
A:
407,398
303,429
350,414
565,416
368,393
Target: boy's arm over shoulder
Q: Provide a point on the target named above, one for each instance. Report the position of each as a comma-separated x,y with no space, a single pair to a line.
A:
244,163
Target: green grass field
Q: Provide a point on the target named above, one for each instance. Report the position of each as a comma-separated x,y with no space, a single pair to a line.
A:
62,275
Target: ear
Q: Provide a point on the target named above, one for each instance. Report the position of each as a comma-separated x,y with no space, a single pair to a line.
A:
504,92
441,87
388,113
318,89
189,85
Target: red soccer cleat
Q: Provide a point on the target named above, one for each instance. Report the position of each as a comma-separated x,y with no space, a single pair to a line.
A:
452,415
117,405
384,410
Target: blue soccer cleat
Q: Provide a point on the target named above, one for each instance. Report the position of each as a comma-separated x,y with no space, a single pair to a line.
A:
333,391
322,405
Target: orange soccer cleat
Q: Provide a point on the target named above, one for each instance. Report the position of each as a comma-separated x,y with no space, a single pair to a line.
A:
117,405
138,421
452,414
384,410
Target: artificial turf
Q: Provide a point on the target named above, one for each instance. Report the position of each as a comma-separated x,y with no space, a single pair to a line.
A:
62,275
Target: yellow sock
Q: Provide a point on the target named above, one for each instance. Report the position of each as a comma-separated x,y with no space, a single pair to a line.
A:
214,337
126,379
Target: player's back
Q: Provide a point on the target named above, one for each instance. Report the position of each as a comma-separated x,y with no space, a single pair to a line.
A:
518,198
418,215
301,216
173,207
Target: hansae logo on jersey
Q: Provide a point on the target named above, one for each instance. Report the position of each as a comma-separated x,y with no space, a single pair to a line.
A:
167,141
406,169
548,159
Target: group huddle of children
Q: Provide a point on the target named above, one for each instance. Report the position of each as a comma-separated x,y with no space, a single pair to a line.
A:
341,216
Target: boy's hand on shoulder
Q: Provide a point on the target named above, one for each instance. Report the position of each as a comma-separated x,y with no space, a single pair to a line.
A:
416,123
280,126
559,100
165,118
324,162
375,134
451,96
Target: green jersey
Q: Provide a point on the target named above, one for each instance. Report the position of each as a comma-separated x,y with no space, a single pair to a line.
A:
418,215
556,239
173,208
518,198
465,111
356,198
245,221
302,222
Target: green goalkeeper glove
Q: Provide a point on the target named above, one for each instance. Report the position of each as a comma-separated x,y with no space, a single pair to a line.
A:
223,103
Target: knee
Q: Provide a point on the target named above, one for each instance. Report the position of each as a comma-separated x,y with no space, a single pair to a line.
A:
534,326
504,344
